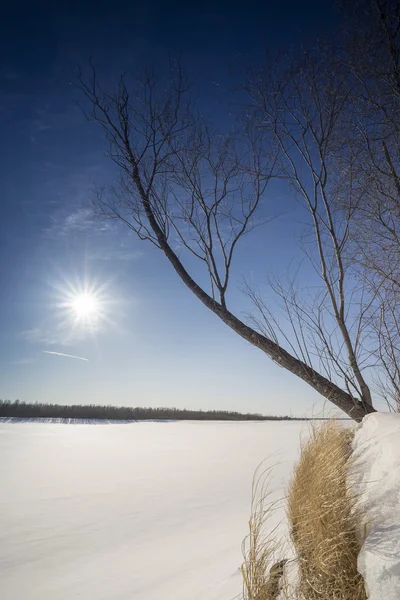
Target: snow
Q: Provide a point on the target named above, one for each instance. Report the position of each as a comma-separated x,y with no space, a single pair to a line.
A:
159,510
145,510
74,421
375,476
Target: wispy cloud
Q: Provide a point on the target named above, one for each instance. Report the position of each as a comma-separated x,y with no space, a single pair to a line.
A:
61,334
82,219
84,226
76,222
38,335
66,355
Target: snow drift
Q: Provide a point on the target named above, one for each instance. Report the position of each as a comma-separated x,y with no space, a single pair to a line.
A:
375,478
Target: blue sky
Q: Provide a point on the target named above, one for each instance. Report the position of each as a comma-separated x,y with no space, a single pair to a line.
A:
157,345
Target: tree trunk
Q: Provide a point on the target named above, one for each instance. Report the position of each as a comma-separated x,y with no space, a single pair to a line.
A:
343,400
329,390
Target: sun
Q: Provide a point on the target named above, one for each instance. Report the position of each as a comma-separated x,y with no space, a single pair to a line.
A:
85,306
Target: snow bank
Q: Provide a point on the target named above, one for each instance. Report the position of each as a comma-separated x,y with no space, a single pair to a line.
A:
375,475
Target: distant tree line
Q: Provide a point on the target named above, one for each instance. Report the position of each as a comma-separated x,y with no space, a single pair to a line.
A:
26,410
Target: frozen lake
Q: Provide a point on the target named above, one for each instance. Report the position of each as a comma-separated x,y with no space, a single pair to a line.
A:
119,512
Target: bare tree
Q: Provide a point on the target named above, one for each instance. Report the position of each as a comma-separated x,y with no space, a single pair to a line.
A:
188,188
372,53
334,109
302,104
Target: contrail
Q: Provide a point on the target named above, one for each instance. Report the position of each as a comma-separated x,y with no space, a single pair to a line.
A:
67,355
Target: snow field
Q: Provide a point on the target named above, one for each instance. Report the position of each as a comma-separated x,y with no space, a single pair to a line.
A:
121,512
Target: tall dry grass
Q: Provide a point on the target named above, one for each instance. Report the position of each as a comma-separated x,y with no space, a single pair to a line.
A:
262,570
325,528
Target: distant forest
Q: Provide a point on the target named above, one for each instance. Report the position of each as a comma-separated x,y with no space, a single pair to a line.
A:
25,410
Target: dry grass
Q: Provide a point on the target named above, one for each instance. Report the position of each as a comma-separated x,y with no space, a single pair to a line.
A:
324,524
261,572
324,527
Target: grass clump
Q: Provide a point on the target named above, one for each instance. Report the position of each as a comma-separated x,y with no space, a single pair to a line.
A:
325,528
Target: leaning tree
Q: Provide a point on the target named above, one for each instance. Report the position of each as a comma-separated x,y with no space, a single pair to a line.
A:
191,189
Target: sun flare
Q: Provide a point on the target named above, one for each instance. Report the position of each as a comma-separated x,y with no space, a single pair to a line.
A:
85,306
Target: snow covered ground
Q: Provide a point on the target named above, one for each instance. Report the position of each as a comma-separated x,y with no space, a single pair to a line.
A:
159,510
69,421
376,478
147,510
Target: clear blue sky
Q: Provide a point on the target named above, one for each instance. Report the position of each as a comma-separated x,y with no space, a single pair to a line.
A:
156,345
